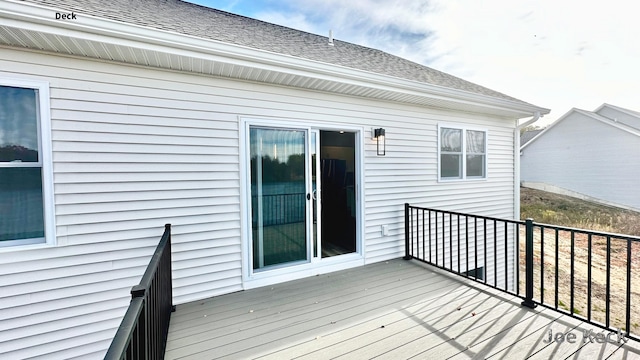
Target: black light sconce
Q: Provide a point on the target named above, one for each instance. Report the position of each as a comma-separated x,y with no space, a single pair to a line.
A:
378,134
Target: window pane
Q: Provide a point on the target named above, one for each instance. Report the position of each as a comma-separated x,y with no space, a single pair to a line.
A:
475,165
18,125
450,166
475,142
450,140
21,210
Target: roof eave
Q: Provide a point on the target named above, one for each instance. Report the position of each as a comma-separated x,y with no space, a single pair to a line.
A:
106,39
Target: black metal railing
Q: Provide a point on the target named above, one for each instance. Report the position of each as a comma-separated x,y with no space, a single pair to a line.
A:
589,275
143,331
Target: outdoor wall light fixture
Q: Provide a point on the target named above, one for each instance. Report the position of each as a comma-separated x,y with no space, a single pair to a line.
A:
378,134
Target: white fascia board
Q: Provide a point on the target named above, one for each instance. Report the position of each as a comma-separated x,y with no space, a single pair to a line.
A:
41,19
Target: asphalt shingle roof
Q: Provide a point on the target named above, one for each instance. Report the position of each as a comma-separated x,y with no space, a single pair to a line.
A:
203,22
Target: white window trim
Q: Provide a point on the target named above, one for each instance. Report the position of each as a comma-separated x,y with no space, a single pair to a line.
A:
45,160
464,176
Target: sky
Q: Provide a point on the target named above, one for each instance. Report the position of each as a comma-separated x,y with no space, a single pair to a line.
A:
557,54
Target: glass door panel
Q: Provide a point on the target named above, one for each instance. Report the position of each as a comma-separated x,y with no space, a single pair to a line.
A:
337,181
278,197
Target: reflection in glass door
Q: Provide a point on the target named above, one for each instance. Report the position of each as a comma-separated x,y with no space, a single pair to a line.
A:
278,197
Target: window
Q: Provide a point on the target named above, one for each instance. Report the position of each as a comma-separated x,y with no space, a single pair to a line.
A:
463,153
23,202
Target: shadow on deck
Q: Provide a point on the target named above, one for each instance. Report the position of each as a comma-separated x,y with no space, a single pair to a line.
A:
395,310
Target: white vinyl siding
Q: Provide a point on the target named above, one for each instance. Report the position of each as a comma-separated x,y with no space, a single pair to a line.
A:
135,148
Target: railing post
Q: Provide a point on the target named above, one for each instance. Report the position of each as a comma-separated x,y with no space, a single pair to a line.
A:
528,267
167,228
407,255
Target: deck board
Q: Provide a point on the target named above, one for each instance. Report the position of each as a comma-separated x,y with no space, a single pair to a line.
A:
390,310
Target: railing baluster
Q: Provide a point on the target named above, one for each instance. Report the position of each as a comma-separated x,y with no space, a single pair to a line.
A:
466,230
413,236
450,242
484,262
589,278
429,235
556,272
436,218
495,253
506,256
628,308
572,269
517,246
444,261
542,264
417,245
475,245
458,223
424,236
608,300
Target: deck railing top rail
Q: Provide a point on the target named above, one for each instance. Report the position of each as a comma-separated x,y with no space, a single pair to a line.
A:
545,225
586,231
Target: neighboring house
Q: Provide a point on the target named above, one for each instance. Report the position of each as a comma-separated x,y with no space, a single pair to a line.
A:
590,155
252,139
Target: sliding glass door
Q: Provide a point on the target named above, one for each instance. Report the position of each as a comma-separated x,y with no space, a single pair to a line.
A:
302,191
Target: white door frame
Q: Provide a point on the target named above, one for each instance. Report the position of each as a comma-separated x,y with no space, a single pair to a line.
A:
252,279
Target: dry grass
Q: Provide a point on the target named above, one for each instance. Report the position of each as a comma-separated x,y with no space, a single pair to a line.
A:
555,209
565,211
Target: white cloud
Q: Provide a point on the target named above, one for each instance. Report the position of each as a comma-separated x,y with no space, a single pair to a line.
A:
556,54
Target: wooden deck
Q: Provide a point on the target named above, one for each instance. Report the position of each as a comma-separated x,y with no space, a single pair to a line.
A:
391,310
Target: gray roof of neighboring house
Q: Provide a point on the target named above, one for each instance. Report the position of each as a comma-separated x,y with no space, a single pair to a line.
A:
199,21
633,113
611,122
528,135
608,121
